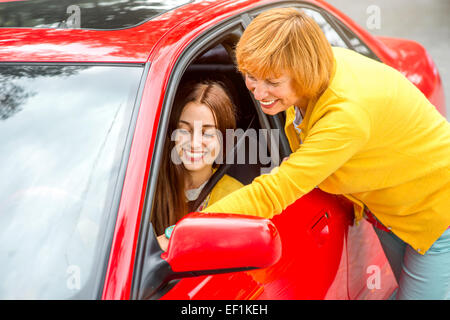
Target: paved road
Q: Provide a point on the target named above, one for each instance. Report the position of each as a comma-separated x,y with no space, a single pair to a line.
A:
424,21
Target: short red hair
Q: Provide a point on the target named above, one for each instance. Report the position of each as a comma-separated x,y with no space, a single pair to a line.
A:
287,40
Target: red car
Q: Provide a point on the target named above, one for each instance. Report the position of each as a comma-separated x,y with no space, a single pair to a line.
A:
86,93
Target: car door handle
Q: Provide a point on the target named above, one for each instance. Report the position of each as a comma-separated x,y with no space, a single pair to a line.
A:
320,230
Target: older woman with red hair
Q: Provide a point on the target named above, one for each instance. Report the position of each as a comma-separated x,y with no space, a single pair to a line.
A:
357,128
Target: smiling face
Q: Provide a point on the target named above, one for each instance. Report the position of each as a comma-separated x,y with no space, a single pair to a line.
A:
197,138
274,94
288,45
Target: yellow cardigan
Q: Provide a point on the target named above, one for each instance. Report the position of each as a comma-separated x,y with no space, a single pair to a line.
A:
223,187
373,137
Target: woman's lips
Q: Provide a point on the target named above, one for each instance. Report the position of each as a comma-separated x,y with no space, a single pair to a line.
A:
194,156
268,104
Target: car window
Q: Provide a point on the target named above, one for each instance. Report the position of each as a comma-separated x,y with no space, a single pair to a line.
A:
335,39
331,34
85,14
63,132
355,42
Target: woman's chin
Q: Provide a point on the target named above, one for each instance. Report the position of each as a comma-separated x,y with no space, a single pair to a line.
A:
271,111
194,166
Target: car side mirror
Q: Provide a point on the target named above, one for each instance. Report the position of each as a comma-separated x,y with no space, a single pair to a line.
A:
209,243
204,243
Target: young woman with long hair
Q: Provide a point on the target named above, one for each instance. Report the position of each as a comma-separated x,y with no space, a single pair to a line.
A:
202,113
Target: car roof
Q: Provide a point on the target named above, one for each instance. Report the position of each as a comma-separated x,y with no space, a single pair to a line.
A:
121,45
129,41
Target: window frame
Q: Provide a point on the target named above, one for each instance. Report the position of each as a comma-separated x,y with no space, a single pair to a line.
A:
146,235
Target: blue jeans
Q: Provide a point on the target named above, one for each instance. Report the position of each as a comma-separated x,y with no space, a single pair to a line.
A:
419,277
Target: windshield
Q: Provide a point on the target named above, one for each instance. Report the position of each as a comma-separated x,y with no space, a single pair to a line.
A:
63,131
85,14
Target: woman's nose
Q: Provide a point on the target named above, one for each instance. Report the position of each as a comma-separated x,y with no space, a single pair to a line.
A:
260,91
197,140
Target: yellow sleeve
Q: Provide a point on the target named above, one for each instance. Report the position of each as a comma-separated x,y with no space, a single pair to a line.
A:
224,186
333,140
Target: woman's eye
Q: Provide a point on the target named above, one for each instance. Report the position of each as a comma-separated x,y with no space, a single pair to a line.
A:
273,84
251,77
209,134
183,131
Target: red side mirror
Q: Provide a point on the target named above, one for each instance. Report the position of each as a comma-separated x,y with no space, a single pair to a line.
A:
214,242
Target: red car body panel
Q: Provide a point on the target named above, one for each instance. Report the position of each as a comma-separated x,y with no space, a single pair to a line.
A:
314,264
415,63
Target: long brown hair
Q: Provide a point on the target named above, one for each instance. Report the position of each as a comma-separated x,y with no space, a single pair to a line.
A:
170,203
